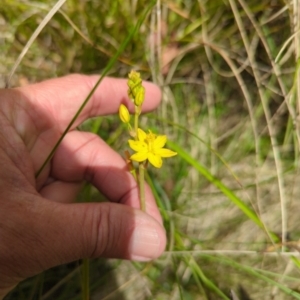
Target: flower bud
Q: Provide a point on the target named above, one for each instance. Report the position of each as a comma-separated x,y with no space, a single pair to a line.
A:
135,77
124,114
135,84
140,96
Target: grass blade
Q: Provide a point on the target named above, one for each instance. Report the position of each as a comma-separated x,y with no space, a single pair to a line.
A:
44,22
226,191
256,274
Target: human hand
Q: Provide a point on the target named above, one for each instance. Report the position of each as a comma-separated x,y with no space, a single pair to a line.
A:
39,226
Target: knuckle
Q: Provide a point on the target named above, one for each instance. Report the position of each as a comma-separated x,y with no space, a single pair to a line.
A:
101,232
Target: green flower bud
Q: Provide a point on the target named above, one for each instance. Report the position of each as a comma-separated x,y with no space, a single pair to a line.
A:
135,77
140,96
134,83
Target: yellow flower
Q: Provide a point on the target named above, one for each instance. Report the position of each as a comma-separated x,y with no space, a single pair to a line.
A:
150,147
124,114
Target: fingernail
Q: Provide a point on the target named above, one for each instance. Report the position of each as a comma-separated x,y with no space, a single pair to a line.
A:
145,243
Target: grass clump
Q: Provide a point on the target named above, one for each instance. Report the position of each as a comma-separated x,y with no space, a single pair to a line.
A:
229,72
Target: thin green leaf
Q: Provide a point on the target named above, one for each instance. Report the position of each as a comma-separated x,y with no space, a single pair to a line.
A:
104,73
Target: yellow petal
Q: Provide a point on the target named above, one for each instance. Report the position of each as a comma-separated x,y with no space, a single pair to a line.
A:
141,135
165,152
139,156
155,160
138,146
160,141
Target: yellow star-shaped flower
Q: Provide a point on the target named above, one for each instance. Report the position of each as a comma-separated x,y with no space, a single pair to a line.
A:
150,147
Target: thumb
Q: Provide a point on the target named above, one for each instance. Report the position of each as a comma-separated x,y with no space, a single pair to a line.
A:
49,234
103,229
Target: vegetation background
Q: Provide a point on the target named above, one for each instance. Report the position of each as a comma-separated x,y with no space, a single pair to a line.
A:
229,72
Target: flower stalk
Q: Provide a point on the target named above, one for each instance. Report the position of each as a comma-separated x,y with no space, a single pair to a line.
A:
142,186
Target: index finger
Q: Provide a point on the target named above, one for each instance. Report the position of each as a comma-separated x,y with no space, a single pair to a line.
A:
60,98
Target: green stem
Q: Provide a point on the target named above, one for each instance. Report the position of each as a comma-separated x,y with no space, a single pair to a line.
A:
142,186
136,121
141,179
86,279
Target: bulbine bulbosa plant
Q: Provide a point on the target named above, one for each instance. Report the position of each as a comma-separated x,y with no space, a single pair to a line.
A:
148,146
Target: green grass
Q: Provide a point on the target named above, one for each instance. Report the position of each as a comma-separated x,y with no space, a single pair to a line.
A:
230,109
